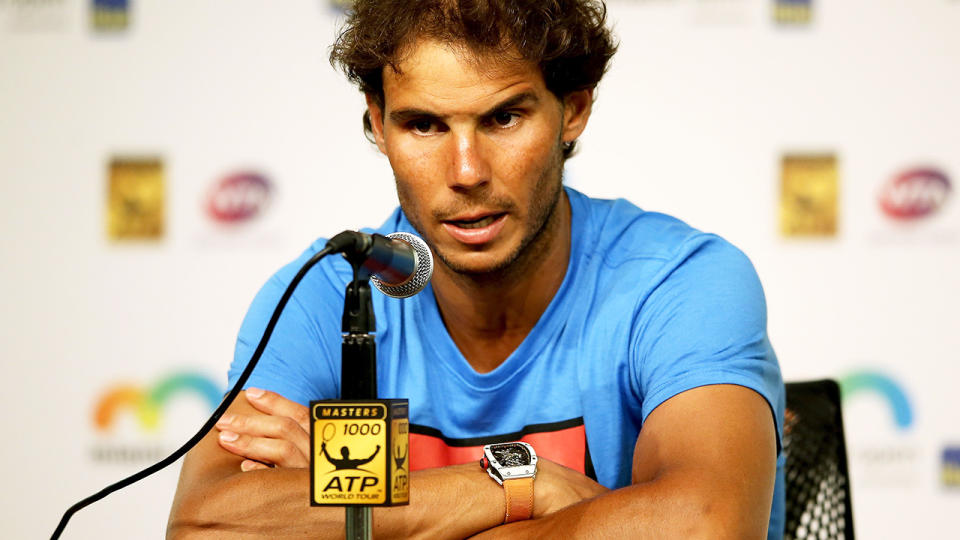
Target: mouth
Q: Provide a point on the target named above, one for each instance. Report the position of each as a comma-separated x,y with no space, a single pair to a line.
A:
475,223
475,230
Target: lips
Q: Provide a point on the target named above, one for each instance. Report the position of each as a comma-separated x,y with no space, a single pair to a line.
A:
475,230
477,223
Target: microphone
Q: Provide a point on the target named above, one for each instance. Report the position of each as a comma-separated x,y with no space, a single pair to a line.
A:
399,264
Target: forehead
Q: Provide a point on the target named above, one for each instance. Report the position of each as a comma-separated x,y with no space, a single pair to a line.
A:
452,80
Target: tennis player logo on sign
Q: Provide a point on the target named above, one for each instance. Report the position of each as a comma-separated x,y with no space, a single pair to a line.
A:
400,474
351,458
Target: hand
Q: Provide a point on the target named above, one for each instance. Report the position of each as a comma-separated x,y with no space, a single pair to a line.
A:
279,437
557,487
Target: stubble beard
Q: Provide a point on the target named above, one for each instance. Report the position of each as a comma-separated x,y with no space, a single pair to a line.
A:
537,238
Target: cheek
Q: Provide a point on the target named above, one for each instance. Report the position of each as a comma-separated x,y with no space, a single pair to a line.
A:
414,173
526,163
412,207
414,162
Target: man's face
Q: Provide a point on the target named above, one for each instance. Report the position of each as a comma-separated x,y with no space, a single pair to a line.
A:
476,149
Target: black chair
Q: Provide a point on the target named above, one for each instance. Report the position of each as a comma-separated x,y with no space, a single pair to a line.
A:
817,481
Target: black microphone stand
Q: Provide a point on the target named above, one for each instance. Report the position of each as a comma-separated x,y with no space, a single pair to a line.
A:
358,368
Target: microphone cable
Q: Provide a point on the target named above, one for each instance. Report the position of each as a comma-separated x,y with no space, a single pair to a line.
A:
222,408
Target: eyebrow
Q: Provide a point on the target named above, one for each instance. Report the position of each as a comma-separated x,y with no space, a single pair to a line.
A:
401,116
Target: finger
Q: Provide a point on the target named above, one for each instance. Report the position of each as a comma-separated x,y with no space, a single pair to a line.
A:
250,465
272,427
274,404
278,451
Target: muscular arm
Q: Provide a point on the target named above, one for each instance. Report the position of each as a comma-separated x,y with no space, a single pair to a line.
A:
373,455
704,467
216,499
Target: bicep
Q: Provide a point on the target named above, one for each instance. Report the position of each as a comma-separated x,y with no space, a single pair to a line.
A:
721,435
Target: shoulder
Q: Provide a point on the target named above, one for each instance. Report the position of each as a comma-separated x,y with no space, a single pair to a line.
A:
623,236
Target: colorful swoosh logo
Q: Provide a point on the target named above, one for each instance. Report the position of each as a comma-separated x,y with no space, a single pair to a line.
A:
883,385
148,404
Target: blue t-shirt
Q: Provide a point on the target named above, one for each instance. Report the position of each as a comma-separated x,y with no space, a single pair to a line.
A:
649,308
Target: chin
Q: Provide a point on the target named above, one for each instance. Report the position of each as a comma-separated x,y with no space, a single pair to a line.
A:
479,263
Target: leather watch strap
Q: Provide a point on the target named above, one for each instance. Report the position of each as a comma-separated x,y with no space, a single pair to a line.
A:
519,495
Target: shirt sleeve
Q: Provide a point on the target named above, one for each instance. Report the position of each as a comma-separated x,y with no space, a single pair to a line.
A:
705,323
301,360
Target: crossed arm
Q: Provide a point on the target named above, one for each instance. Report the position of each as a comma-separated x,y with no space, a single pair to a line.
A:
703,466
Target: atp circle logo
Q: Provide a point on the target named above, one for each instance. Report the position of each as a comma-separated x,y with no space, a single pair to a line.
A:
239,197
915,194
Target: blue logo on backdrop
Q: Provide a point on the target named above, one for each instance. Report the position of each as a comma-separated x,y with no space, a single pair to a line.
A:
883,385
108,15
885,458
951,467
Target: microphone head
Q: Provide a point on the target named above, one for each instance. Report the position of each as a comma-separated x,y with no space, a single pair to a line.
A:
423,268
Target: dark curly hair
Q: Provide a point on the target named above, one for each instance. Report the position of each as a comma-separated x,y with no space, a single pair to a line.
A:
568,39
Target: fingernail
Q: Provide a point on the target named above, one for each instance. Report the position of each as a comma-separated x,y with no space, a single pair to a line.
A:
228,436
225,419
254,393
246,465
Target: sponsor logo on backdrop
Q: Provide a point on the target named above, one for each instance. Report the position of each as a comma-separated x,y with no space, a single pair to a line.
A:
914,194
110,15
239,197
793,12
145,405
875,382
882,449
950,467
135,199
33,15
808,195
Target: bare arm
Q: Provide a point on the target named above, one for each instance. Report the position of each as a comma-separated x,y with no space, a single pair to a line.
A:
216,499
704,467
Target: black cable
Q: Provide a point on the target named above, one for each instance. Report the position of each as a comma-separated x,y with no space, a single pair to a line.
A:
222,408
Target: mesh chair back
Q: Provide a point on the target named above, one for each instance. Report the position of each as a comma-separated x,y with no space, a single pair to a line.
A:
817,482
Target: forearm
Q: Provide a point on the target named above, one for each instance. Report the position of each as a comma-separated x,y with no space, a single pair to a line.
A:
714,478
216,499
673,505
452,502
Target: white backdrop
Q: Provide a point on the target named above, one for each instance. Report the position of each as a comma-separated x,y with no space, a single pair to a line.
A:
703,100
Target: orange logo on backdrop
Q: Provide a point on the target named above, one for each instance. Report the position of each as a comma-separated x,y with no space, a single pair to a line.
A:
147,403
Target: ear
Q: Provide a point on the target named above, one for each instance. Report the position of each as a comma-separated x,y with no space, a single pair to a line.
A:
375,113
576,111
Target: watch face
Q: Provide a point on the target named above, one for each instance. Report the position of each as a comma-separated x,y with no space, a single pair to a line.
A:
511,455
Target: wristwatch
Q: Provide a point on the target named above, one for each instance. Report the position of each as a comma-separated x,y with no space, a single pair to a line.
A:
513,465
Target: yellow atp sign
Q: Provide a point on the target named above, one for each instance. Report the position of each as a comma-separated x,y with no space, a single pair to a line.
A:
359,453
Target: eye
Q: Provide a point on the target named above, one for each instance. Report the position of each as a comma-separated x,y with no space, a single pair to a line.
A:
505,118
422,126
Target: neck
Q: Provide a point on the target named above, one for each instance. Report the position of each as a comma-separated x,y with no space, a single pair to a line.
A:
489,315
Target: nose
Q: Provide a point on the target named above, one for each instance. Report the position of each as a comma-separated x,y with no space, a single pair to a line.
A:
470,167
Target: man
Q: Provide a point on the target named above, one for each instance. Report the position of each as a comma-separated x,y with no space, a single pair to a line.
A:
624,345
